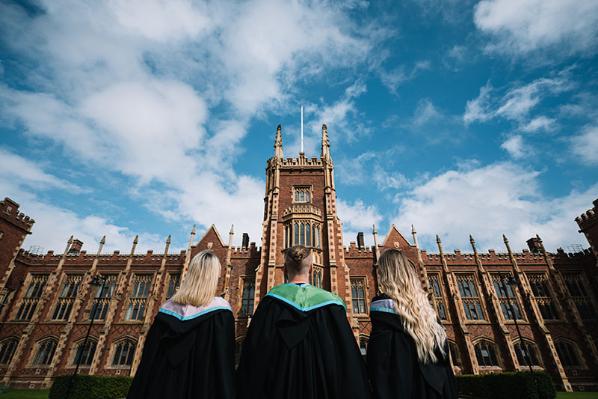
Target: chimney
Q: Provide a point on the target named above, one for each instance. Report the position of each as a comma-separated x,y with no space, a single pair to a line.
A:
75,248
245,243
360,242
535,245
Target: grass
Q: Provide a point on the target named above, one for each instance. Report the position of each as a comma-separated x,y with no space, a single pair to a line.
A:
25,394
43,394
577,395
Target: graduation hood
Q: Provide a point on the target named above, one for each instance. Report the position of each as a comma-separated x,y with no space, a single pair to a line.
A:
180,319
293,323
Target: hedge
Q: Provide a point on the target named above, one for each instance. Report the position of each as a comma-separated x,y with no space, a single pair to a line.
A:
519,385
90,387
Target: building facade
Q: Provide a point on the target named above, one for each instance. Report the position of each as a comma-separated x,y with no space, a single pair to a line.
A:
502,310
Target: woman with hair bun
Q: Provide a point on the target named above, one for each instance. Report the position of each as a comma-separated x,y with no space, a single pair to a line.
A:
407,351
189,351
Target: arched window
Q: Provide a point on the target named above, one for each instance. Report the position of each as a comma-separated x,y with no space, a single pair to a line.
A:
296,233
317,236
308,235
85,352
455,354
124,353
302,234
485,352
317,277
527,354
568,353
7,349
45,352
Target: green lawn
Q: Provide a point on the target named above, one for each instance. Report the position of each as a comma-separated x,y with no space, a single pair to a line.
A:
43,394
25,394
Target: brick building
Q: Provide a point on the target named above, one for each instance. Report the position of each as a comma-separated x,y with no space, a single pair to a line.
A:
46,300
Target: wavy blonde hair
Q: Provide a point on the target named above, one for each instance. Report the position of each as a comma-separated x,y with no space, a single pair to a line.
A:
199,286
398,279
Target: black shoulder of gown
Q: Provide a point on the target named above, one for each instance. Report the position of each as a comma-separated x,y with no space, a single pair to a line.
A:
394,368
300,345
188,353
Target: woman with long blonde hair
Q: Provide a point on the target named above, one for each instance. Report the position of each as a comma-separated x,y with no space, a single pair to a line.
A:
189,350
407,352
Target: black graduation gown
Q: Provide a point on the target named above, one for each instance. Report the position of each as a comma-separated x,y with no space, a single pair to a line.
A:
187,359
394,368
289,353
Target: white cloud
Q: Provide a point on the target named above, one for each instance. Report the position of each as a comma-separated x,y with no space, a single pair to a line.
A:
53,224
487,202
357,217
425,112
393,79
585,145
478,109
515,147
517,103
28,173
163,91
521,26
539,123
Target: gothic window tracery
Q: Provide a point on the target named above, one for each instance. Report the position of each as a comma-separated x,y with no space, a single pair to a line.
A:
85,352
301,194
527,353
45,352
124,352
470,297
579,294
509,303
568,353
247,296
7,349
67,296
138,298
32,297
317,274
358,294
485,352
541,290
174,281
101,301
434,280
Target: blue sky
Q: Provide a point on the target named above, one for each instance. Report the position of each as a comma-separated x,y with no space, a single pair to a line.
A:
146,117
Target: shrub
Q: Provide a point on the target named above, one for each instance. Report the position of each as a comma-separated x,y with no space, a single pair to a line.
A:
520,385
90,387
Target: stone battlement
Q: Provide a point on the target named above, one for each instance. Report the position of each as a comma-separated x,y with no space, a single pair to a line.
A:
9,210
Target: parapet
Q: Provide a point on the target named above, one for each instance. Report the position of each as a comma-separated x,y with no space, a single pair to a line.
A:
9,211
589,217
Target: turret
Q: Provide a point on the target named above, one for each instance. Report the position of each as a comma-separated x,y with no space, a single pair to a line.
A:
278,143
325,143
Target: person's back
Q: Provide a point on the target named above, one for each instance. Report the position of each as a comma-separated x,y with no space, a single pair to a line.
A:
189,350
300,344
407,351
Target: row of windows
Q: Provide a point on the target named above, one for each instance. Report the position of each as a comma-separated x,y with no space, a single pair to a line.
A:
135,308
508,300
83,353
302,233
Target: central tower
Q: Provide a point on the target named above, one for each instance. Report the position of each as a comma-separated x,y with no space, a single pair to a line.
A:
300,208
